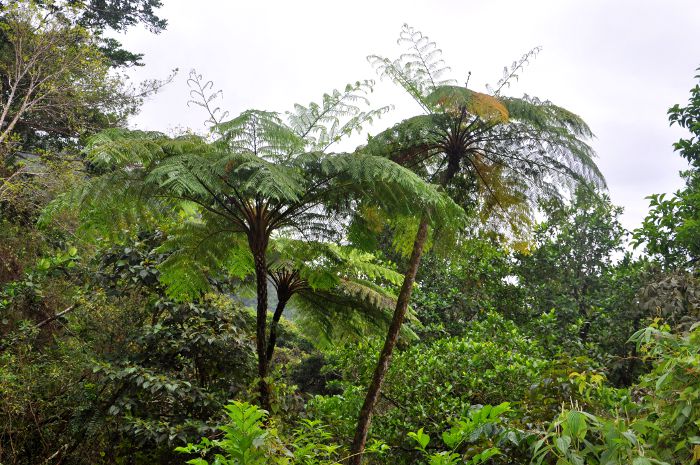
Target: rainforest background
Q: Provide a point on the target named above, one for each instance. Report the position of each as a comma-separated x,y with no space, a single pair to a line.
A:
225,296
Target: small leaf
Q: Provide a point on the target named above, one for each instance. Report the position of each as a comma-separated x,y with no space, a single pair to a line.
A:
198,461
562,443
421,438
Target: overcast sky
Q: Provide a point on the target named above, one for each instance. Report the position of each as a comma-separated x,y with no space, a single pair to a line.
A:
619,64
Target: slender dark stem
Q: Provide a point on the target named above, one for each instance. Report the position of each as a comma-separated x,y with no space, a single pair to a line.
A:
274,324
258,246
365,418
55,317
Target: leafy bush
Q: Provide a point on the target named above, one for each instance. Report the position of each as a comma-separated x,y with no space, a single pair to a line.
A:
576,437
671,403
471,439
248,441
428,386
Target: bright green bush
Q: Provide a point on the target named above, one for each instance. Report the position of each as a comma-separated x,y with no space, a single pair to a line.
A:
671,403
472,439
251,438
576,437
429,386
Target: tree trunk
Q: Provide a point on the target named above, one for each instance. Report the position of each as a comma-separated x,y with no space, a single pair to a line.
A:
365,418
261,328
272,341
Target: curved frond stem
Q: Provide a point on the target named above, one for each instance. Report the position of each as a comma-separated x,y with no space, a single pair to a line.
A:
487,186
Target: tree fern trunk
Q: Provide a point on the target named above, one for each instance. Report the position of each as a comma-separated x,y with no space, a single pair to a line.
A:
272,341
261,329
365,418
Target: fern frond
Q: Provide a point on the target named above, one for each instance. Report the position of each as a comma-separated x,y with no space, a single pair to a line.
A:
198,249
418,70
119,148
261,134
424,58
512,73
337,116
202,95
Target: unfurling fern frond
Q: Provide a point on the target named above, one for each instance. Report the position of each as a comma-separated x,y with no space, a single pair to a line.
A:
202,95
418,70
512,73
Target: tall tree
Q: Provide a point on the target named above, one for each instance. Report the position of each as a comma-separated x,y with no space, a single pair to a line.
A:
55,88
495,153
53,78
117,15
571,267
256,180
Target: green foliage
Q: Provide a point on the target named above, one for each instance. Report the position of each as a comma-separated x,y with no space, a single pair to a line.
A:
247,441
454,290
28,185
572,272
177,373
672,393
198,250
428,385
661,428
125,371
56,88
576,437
467,441
168,378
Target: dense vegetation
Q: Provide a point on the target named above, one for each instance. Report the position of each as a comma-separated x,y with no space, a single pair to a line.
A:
458,290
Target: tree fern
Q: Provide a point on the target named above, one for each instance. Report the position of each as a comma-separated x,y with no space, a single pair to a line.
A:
253,183
481,134
496,155
337,292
